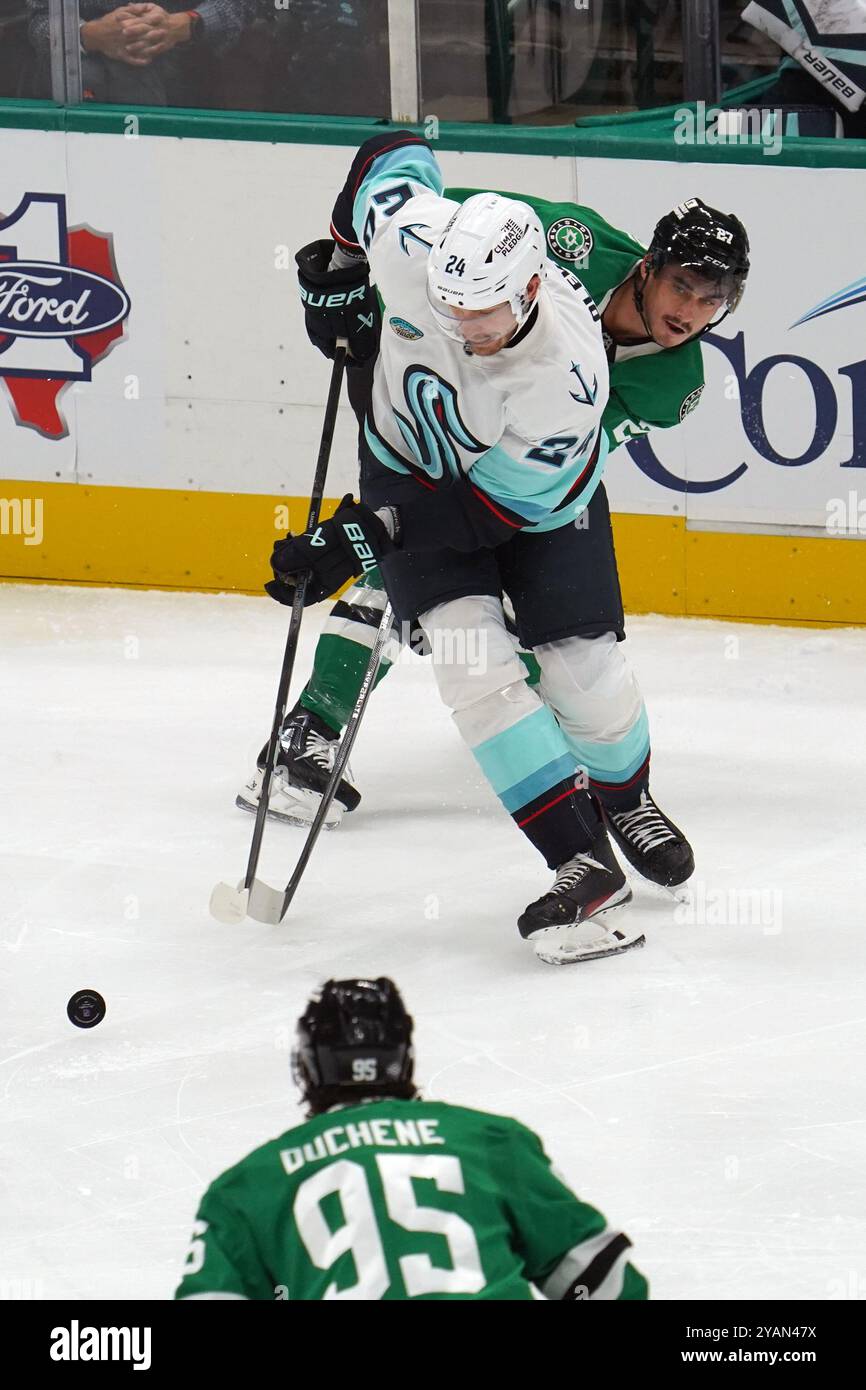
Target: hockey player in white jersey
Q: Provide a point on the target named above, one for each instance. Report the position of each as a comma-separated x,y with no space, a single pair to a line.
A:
481,449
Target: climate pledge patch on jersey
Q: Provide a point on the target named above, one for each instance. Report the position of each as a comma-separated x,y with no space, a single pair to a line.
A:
404,329
62,308
569,239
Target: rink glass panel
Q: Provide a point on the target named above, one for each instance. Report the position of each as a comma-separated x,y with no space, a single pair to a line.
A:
23,71
549,61
538,62
322,57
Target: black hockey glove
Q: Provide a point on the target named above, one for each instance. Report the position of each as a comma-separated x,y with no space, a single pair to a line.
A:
351,543
338,303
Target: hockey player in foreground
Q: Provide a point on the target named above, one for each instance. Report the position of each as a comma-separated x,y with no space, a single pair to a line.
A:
384,1195
654,304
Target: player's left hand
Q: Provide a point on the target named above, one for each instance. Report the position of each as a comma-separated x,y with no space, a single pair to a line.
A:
338,303
351,543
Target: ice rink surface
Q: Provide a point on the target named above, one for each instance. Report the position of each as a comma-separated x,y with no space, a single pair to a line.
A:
706,1092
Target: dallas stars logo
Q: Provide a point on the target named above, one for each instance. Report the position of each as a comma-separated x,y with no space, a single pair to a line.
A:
569,239
690,402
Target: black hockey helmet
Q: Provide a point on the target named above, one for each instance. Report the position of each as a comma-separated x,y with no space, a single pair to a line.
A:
354,1039
711,243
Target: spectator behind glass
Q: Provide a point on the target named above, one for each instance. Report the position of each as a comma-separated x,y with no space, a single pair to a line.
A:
330,57
135,53
16,66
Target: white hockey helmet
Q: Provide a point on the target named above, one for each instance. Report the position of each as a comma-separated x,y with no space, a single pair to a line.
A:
487,254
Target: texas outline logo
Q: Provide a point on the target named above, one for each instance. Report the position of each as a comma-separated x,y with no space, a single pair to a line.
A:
62,308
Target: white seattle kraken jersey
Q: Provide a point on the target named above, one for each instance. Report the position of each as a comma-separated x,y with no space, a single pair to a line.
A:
525,423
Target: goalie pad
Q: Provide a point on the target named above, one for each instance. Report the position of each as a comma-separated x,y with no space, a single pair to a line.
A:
826,37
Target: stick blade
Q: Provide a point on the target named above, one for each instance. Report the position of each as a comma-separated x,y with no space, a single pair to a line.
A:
266,904
229,905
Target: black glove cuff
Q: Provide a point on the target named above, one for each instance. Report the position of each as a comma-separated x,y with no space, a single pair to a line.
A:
392,523
313,262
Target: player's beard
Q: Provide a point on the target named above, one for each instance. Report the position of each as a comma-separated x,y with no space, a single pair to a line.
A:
490,349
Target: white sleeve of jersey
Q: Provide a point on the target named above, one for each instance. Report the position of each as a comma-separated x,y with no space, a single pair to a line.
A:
392,181
402,236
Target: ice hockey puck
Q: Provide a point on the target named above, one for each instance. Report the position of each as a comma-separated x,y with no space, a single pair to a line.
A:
86,1008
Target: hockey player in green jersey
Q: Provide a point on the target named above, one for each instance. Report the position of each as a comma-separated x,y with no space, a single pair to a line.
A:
384,1195
655,303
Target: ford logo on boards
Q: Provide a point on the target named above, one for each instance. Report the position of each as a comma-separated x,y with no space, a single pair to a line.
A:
40,299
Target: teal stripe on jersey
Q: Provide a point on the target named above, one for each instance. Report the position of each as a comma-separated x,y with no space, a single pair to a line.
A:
614,762
533,748
535,489
532,488
409,164
569,514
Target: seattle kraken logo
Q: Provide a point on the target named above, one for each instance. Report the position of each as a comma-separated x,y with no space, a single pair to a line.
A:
435,426
409,236
587,394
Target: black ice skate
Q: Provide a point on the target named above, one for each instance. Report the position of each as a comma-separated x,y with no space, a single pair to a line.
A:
308,748
565,924
651,843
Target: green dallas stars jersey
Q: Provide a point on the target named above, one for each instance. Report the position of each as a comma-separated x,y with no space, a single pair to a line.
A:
650,387
395,1199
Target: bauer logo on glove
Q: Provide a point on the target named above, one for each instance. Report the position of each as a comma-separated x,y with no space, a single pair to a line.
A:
357,539
350,544
338,303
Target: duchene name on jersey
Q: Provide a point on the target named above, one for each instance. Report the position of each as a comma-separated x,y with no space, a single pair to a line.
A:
364,1134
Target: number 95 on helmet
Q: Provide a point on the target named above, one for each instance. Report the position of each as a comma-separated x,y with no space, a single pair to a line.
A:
354,1040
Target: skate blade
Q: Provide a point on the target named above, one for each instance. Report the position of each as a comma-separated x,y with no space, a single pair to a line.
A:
679,892
592,939
564,956
229,905
284,818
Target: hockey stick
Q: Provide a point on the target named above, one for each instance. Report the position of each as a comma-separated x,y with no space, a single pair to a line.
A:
268,904
229,904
